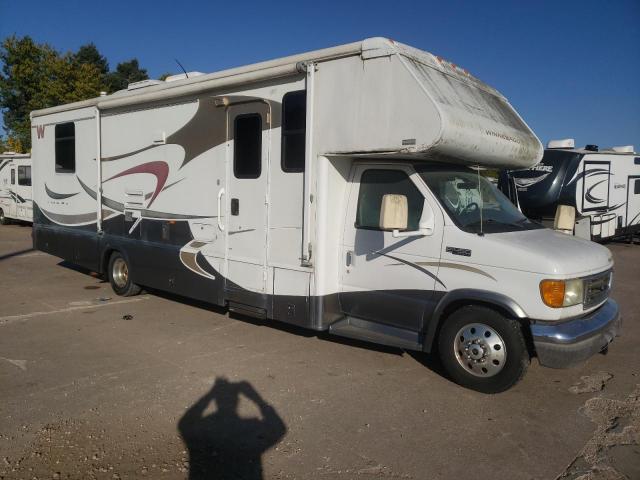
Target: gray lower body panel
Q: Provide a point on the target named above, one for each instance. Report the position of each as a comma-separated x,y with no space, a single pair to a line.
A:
569,343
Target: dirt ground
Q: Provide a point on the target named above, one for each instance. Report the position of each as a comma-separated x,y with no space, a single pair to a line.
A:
97,386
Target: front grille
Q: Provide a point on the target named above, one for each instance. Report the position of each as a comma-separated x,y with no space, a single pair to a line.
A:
596,289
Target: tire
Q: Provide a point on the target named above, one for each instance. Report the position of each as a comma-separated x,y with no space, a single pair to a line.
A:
482,350
119,276
3,220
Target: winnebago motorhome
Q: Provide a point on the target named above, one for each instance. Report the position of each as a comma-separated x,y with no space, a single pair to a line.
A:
331,190
15,187
602,185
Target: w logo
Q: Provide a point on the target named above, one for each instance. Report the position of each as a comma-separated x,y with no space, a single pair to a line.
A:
40,131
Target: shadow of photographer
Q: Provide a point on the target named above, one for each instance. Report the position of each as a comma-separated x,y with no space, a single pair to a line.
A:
223,445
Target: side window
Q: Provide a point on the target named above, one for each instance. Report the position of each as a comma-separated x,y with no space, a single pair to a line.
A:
376,183
24,176
636,187
65,147
294,121
13,176
247,146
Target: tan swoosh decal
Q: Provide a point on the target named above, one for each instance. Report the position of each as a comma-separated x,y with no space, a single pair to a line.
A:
455,266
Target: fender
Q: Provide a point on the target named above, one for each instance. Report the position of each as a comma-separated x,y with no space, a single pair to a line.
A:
464,296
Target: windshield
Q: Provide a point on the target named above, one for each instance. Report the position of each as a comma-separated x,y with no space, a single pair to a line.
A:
473,202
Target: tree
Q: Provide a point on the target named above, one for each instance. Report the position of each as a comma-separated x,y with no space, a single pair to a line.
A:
36,76
89,54
125,73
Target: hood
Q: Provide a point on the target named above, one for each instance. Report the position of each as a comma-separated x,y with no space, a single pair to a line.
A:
542,251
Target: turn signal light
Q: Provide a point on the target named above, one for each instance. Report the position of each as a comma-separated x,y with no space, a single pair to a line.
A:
552,292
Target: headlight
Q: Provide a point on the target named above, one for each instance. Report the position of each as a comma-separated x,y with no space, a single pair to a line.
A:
562,293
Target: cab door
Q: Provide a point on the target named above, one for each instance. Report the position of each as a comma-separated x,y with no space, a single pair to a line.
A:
385,279
246,196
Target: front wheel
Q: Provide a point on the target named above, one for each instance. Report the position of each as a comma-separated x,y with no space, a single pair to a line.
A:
120,278
482,350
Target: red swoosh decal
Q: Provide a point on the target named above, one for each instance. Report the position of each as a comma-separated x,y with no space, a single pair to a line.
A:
159,169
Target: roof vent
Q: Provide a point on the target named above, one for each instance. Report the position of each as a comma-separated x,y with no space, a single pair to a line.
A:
623,149
591,148
182,76
143,84
562,143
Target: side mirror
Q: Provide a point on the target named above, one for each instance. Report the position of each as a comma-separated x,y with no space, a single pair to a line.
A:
394,212
565,219
394,216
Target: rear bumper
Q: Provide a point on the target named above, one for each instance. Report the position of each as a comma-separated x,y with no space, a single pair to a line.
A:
572,342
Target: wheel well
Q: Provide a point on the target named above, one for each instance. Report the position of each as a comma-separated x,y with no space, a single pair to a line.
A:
458,304
105,259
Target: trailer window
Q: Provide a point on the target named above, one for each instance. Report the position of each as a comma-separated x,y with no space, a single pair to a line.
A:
65,148
247,149
294,121
13,176
636,187
376,183
24,176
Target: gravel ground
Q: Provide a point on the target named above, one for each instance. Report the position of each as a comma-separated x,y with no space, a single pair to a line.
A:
97,386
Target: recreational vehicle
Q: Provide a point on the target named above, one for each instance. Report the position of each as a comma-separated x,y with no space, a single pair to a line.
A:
336,190
15,188
602,185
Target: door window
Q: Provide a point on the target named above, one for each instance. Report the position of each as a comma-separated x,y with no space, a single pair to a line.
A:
636,187
247,148
374,184
13,176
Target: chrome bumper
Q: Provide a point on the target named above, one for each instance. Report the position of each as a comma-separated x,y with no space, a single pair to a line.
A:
565,344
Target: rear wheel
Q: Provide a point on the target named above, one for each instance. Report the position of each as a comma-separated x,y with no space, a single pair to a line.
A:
3,220
120,278
482,350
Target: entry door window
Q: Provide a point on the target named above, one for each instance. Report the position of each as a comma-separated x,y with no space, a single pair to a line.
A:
13,176
247,150
374,184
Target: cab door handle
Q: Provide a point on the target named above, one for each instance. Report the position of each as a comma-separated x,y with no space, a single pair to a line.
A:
350,260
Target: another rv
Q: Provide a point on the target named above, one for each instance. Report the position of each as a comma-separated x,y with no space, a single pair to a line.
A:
15,188
333,190
602,185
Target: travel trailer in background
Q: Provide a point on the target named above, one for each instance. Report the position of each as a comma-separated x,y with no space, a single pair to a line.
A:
333,190
15,188
602,185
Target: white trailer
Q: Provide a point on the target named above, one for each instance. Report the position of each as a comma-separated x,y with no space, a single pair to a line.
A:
330,190
603,185
15,188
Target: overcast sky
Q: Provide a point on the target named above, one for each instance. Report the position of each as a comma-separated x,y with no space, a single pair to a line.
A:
571,68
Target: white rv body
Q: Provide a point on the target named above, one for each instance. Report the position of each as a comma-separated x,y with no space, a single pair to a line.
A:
602,185
15,188
245,188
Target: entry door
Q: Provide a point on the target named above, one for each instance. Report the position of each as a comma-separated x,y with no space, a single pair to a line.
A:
385,279
13,206
595,194
248,137
633,201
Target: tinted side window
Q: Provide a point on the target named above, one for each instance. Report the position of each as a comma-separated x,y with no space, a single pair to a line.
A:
247,150
65,148
376,183
294,121
13,176
636,187
24,176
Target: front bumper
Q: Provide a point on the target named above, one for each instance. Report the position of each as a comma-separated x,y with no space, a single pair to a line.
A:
569,343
